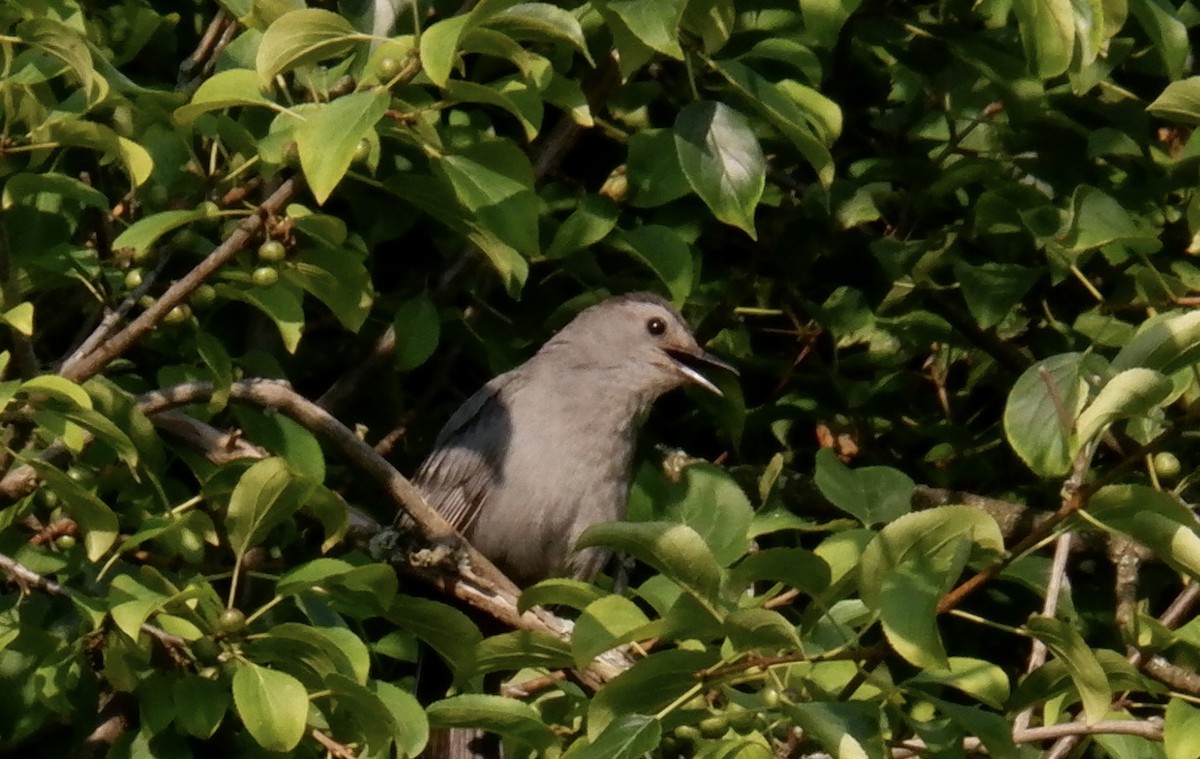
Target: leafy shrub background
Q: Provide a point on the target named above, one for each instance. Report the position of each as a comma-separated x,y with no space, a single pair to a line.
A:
950,245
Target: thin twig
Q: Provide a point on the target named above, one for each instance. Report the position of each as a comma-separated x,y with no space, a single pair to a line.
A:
1037,654
335,749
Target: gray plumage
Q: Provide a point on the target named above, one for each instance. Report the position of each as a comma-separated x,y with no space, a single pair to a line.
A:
544,451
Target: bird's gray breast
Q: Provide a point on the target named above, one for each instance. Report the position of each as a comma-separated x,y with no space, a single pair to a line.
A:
565,467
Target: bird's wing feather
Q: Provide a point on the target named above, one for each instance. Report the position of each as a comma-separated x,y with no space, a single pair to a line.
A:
456,477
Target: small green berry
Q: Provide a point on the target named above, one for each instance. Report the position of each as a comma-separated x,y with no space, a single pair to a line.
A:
770,697
714,726
362,151
387,67
178,315
1166,464
272,251
206,649
231,621
742,720
265,276
133,279
64,542
203,296
83,477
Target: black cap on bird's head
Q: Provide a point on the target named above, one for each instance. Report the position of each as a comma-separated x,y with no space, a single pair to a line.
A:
644,336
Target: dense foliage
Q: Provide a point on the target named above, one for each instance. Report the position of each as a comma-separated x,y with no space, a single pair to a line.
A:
945,509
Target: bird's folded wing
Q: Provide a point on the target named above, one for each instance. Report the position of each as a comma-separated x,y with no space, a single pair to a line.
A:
464,465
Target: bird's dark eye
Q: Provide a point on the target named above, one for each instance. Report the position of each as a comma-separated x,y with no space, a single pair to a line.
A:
656,326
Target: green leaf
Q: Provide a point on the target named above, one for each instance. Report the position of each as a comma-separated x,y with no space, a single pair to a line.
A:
1156,519
337,278
938,538
808,119
132,603
1166,342
993,729
604,624
359,705
1167,32
588,224
541,22
64,44
627,737
705,497
332,511
439,48
908,600
655,25
495,183
200,705
761,630
846,730
675,550
107,433
88,134
1131,393
992,290
292,441
653,171
446,629
56,387
979,679
96,520
1098,219
28,188
508,717
1042,407
330,135
662,250
559,591
647,686
1181,730
225,89
522,649
353,647
1179,101
513,95
272,705
1082,666
411,728
311,574
212,352
265,495
712,21
143,233
512,267
300,37
872,494
306,653
795,567
280,303
418,330
722,160
1047,33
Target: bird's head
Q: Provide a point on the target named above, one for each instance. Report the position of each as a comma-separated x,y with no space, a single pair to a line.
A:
643,340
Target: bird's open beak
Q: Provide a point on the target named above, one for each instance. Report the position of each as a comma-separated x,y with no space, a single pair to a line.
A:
689,364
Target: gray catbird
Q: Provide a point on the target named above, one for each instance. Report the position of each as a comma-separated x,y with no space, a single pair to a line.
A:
543,451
